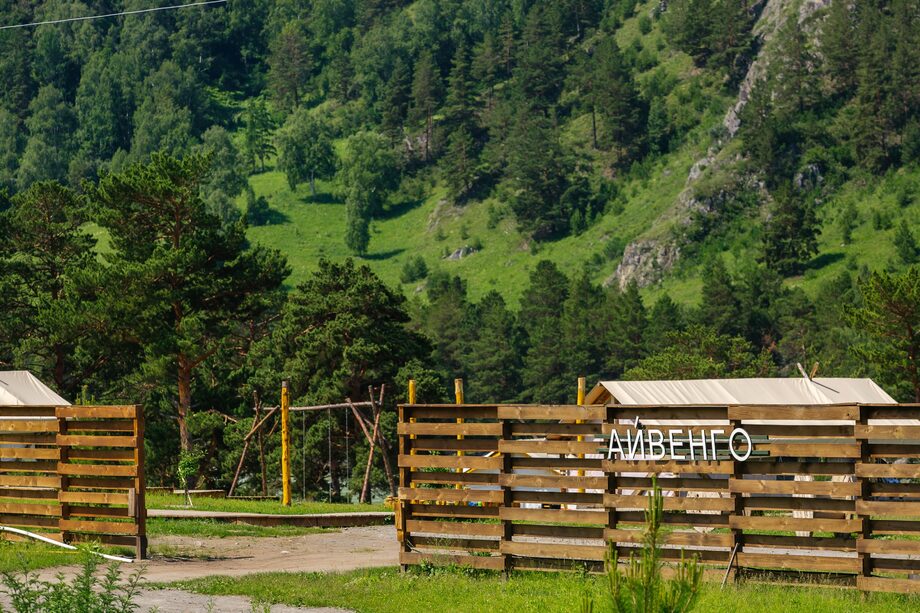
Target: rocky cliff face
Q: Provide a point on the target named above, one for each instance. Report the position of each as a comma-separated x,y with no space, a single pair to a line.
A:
647,260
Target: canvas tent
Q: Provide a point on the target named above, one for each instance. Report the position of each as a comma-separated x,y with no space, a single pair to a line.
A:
798,391
22,388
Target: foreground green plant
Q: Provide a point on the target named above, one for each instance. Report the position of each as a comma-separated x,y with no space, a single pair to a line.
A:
87,592
640,588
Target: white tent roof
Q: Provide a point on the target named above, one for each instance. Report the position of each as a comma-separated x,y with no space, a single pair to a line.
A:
798,391
21,388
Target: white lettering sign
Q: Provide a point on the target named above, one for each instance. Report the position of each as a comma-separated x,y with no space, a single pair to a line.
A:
661,444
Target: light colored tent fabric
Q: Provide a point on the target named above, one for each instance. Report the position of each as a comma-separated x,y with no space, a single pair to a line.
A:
798,391
21,388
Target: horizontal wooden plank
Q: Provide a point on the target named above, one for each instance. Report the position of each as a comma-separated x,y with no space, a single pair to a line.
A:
445,443
563,497
29,522
94,511
553,481
670,503
557,463
629,412
23,411
28,493
897,471
545,446
888,546
793,524
455,429
673,484
818,488
793,413
908,490
781,541
787,561
664,466
799,431
105,539
571,429
29,426
682,539
885,507
452,511
86,412
101,455
887,432
887,584
900,564
893,526
30,481
894,450
11,508
31,466
810,449
436,559
77,440
97,527
467,545
462,528
761,467
445,461
100,425
900,411
677,518
97,470
464,478
450,495
451,411
93,497
569,532
553,550
553,411
33,453
552,515
27,438
788,503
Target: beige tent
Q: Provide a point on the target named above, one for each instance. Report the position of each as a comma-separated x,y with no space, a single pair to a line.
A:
22,388
798,391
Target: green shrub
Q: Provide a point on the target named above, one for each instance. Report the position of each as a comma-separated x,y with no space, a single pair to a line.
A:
109,592
645,24
641,588
414,270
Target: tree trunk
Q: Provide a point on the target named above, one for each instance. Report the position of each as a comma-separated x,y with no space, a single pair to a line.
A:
185,401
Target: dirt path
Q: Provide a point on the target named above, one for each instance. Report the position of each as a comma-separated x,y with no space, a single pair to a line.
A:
346,549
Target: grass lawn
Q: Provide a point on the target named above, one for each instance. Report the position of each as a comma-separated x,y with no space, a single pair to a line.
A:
386,590
34,555
209,528
175,501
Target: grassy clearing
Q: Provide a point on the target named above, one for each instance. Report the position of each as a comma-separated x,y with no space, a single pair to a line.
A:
386,590
208,528
175,501
34,555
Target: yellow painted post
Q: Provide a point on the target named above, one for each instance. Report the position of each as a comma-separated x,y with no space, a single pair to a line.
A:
285,447
581,400
458,394
412,420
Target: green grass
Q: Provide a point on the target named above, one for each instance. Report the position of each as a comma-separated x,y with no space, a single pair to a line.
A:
33,556
176,501
385,590
209,528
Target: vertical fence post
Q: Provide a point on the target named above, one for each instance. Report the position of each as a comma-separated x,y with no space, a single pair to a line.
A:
458,393
140,505
865,494
63,479
404,507
507,468
738,507
612,519
285,447
582,383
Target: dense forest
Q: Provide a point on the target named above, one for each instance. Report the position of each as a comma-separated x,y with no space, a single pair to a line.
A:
130,146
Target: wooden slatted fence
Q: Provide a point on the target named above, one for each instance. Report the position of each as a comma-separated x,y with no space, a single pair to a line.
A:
828,490
74,473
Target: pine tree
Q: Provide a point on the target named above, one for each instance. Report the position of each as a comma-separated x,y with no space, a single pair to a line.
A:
791,234
665,318
459,164
720,308
487,65
446,322
12,142
494,354
257,133
459,105
544,368
192,280
426,92
581,336
290,65
51,126
626,333
839,46
538,73
906,245
395,100
614,95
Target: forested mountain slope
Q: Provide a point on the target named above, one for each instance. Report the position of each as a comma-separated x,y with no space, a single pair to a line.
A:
546,189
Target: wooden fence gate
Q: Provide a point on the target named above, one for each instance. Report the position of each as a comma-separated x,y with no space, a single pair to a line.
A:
829,490
74,472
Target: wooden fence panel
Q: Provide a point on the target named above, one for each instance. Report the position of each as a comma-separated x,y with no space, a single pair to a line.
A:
74,473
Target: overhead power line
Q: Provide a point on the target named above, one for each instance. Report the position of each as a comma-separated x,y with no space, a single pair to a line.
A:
134,12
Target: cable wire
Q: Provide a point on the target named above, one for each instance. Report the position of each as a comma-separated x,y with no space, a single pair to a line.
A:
91,17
